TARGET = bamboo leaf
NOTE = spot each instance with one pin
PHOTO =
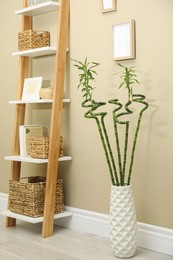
(121, 85)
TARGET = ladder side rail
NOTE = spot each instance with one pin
(56, 118)
(19, 111)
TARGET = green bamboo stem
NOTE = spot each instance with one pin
(126, 138)
(119, 106)
(116, 120)
(107, 149)
(102, 115)
(110, 151)
(139, 99)
(125, 150)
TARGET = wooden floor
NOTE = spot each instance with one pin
(24, 242)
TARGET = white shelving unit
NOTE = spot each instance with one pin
(39, 101)
(60, 61)
(10, 214)
(36, 52)
(39, 9)
(18, 158)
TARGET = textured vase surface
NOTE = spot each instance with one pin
(123, 223)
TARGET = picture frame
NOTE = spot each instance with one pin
(123, 40)
(31, 88)
(109, 5)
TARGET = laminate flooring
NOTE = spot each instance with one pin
(24, 242)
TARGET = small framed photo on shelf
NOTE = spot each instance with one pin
(123, 41)
(109, 5)
(31, 88)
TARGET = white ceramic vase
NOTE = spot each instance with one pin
(123, 223)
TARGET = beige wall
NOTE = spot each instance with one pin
(86, 178)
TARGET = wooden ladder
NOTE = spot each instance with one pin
(56, 115)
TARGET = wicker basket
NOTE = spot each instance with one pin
(35, 2)
(32, 39)
(39, 147)
(27, 196)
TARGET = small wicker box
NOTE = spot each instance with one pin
(35, 2)
(32, 39)
(39, 147)
(27, 196)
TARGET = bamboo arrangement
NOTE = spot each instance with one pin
(120, 175)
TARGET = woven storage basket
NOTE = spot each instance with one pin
(27, 196)
(35, 2)
(39, 147)
(32, 39)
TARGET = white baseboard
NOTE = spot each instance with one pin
(86, 221)
(151, 237)
(155, 238)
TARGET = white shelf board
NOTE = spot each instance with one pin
(36, 52)
(19, 158)
(39, 9)
(10, 214)
(39, 101)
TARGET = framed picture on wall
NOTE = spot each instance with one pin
(108, 5)
(31, 88)
(123, 41)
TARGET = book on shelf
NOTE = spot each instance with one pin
(25, 133)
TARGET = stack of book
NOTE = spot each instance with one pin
(25, 133)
